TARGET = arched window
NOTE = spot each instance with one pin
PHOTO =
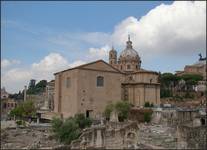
(121, 67)
(100, 81)
(67, 82)
(128, 66)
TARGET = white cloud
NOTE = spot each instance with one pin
(179, 28)
(7, 63)
(15, 78)
(99, 53)
(52, 62)
(176, 29)
(76, 63)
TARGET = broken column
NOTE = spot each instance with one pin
(25, 92)
(114, 117)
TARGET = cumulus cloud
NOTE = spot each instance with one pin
(77, 63)
(15, 78)
(52, 62)
(7, 63)
(99, 53)
(179, 28)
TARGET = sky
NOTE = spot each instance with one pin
(41, 38)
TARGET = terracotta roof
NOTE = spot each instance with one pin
(145, 71)
(79, 67)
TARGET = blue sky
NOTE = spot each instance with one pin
(37, 34)
(59, 17)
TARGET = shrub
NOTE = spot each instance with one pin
(66, 131)
(82, 121)
(151, 105)
(26, 109)
(147, 116)
(109, 108)
(56, 124)
(70, 129)
(20, 122)
(122, 109)
(147, 104)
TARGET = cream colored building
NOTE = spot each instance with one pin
(89, 88)
(196, 68)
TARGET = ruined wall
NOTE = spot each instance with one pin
(191, 137)
(114, 135)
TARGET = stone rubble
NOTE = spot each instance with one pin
(157, 135)
(28, 138)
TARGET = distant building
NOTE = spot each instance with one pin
(6, 106)
(32, 83)
(196, 68)
(49, 103)
(89, 88)
(4, 93)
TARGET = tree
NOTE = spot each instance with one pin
(191, 80)
(17, 112)
(82, 121)
(66, 131)
(109, 108)
(26, 109)
(38, 88)
(146, 104)
(147, 116)
(29, 109)
(122, 109)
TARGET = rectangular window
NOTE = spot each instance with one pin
(100, 81)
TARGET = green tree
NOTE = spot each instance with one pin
(56, 124)
(26, 109)
(109, 108)
(147, 116)
(82, 121)
(146, 104)
(122, 108)
(38, 88)
(29, 109)
(191, 80)
(66, 131)
(17, 112)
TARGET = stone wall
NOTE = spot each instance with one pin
(113, 135)
(191, 137)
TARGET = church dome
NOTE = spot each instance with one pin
(129, 52)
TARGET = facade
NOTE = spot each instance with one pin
(6, 106)
(49, 103)
(196, 68)
(89, 88)
(4, 93)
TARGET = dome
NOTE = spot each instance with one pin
(129, 51)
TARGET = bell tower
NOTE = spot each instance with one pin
(112, 56)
